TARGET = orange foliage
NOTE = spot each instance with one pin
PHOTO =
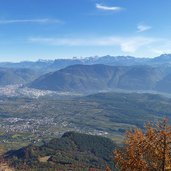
(107, 168)
(146, 151)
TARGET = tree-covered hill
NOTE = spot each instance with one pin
(72, 151)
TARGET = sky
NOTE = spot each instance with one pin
(52, 29)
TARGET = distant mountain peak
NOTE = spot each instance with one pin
(164, 58)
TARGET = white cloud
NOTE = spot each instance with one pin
(143, 27)
(131, 45)
(161, 51)
(108, 8)
(38, 21)
(127, 45)
(163, 47)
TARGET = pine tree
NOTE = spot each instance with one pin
(146, 151)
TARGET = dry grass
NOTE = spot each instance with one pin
(5, 167)
(44, 159)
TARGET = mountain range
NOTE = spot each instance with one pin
(53, 65)
(93, 74)
(96, 78)
(10, 76)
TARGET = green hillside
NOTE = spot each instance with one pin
(73, 151)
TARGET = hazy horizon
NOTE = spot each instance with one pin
(72, 58)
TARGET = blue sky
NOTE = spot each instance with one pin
(50, 29)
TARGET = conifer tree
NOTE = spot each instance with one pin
(146, 151)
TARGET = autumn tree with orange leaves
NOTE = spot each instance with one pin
(107, 168)
(146, 151)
